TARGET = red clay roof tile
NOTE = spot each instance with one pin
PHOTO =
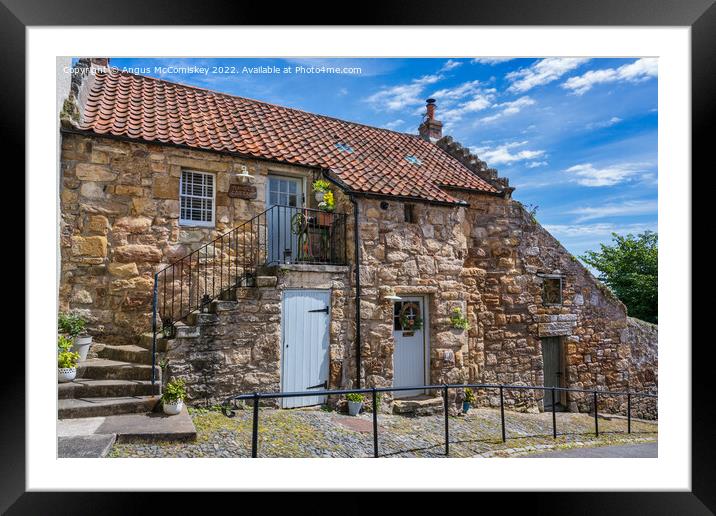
(134, 106)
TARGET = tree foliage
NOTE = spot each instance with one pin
(630, 268)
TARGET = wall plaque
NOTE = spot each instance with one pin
(242, 191)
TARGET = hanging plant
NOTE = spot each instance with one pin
(458, 320)
(410, 319)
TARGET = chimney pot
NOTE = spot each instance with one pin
(431, 129)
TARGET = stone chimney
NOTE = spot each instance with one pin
(431, 129)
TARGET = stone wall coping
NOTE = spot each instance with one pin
(303, 267)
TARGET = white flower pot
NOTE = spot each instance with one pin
(81, 345)
(319, 196)
(66, 374)
(172, 408)
(354, 407)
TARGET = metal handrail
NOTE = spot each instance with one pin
(229, 406)
(280, 234)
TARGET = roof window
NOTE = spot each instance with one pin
(413, 159)
(344, 147)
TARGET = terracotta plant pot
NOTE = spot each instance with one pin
(325, 218)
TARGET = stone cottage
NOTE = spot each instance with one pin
(189, 215)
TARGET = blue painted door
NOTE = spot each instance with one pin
(304, 321)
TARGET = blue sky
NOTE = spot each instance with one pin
(576, 137)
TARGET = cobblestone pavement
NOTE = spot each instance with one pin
(323, 433)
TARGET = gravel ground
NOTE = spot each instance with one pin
(323, 433)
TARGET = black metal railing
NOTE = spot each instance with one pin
(230, 405)
(278, 235)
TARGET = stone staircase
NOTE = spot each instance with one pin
(117, 381)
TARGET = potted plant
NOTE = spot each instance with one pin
(66, 360)
(173, 396)
(325, 216)
(458, 320)
(469, 400)
(355, 403)
(73, 325)
(320, 187)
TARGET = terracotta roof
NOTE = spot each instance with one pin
(134, 106)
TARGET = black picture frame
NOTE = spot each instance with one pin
(700, 15)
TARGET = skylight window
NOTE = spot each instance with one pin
(344, 147)
(413, 159)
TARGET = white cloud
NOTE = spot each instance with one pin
(491, 60)
(604, 123)
(509, 108)
(638, 207)
(587, 175)
(595, 230)
(403, 95)
(458, 92)
(503, 153)
(542, 72)
(638, 71)
(343, 92)
(450, 64)
(535, 164)
(394, 124)
(469, 97)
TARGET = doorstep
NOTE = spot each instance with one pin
(83, 437)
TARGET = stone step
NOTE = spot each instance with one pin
(421, 405)
(126, 353)
(87, 388)
(94, 407)
(198, 318)
(103, 369)
(145, 341)
(185, 331)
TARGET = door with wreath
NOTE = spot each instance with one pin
(410, 357)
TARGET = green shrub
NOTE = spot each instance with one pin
(470, 396)
(64, 343)
(321, 185)
(458, 320)
(67, 359)
(71, 324)
(174, 391)
(355, 397)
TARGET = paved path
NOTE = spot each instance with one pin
(647, 450)
(323, 433)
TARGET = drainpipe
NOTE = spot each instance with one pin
(356, 259)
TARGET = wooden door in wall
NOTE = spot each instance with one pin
(286, 194)
(305, 317)
(410, 364)
(552, 369)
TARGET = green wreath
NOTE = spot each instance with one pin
(408, 324)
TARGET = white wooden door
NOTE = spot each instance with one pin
(409, 358)
(287, 194)
(304, 325)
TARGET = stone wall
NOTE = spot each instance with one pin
(424, 258)
(120, 223)
(642, 338)
(508, 254)
(237, 349)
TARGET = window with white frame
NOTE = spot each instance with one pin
(196, 195)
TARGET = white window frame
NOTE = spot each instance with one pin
(198, 223)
